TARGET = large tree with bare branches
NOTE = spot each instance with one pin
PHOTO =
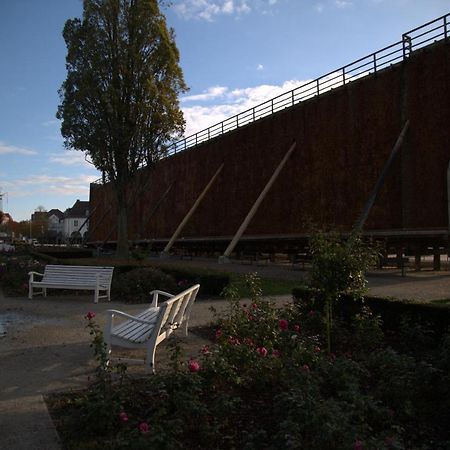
(119, 102)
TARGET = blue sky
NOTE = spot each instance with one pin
(234, 54)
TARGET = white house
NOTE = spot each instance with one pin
(75, 223)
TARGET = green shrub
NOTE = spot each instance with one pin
(14, 271)
(135, 286)
(211, 284)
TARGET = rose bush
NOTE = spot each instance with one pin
(268, 382)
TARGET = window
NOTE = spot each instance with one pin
(75, 223)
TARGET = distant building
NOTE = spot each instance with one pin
(75, 223)
(55, 225)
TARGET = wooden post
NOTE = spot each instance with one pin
(156, 207)
(436, 258)
(242, 228)
(165, 252)
(373, 195)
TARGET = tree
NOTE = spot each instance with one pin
(119, 102)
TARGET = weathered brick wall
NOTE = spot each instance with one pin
(343, 140)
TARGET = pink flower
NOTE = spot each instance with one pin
(297, 328)
(283, 324)
(205, 350)
(262, 351)
(144, 427)
(357, 445)
(123, 417)
(218, 334)
(316, 349)
(90, 315)
(276, 353)
(193, 366)
(249, 342)
(305, 368)
(234, 341)
(254, 305)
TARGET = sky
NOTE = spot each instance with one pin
(234, 54)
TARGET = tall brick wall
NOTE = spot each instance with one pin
(343, 137)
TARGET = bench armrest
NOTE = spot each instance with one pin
(115, 312)
(32, 274)
(155, 295)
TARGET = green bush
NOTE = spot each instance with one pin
(211, 284)
(135, 285)
(393, 313)
(14, 271)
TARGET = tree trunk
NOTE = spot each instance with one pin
(122, 250)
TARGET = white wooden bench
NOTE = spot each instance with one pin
(151, 326)
(92, 278)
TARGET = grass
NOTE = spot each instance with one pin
(270, 286)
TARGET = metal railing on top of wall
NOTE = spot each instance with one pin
(421, 36)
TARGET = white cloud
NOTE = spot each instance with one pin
(209, 94)
(319, 8)
(199, 117)
(208, 10)
(45, 184)
(69, 158)
(342, 3)
(259, 67)
(11, 149)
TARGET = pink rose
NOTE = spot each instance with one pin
(297, 328)
(305, 368)
(90, 315)
(283, 324)
(276, 353)
(144, 427)
(205, 350)
(193, 366)
(123, 417)
(249, 342)
(262, 351)
(218, 334)
(357, 445)
(254, 305)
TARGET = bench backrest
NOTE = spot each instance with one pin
(78, 274)
(177, 308)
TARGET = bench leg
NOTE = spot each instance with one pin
(44, 291)
(96, 296)
(30, 291)
(150, 360)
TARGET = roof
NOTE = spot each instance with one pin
(55, 212)
(79, 209)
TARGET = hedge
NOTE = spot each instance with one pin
(391, 310)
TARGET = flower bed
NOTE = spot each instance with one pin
(268, 382)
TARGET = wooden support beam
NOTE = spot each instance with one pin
(373, 195)
(252, 212)
(165, 252)
(157, 206)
